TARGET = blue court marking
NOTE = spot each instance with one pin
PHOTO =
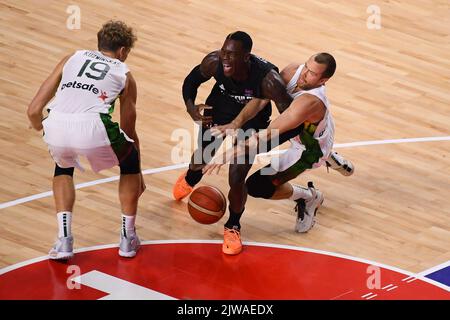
(442, 276)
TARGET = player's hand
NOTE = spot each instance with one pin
(197, 116)
(211, 167)
(229, 129)
(219, 160)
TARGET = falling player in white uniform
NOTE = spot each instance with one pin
(309, 115)
(85, 86)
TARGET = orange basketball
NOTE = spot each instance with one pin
(207, 204)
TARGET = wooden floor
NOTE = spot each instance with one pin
(390, 83)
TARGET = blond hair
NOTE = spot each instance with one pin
(114, 35)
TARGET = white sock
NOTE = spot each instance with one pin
(300, 193)
(128, 225)
(64, 223)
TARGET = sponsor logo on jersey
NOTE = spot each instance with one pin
(103, 96)
(242, 99)
(85, 87)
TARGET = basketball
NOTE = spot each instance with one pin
(207, 204)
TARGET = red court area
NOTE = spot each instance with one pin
(202, 271)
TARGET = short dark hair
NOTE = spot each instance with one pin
(114, 35)
(328, 59)
(243, 37)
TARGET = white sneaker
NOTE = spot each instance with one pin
(340, 164)
(307, 209)
(129, 246)
(63, 249)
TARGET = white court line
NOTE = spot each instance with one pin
(405, 279)
(435, 268)
(118, 289)
(366, 295)
(88, 184)
(374, 142)
(388, 286)
(261, 244)
(395, 287)
(372, 296)
(420, 275)
(184, 165)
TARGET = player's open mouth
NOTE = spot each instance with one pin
(226, 67)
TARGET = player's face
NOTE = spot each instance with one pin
(232, 57)
(311, 75)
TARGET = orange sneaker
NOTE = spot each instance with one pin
(231, 241)
(181, 188)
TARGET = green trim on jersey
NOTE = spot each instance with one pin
(111, 108)
(119, 143)
(310, 156)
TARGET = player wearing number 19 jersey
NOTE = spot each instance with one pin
(85, 86)
(80, 115)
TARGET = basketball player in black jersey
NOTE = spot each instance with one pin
(242, 79)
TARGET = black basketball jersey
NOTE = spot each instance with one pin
(229, 97)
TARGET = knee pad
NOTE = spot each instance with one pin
(63, 171)
(131, 163)
(259, 186)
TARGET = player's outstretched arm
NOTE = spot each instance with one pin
(250, 110)
(304, 108)
(273, 88)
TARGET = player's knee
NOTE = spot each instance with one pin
(63, 171)
(236, 177)
(131, 163)
(260, 186)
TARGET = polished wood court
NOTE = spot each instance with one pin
(390, 83)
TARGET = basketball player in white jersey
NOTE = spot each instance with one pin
(85, 86)
(309, 115)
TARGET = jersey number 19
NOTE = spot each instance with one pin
(98, 69)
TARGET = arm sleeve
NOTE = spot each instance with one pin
(191, 84)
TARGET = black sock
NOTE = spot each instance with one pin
(193, 177)
(233, 220)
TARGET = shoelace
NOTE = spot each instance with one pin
(232, 235)
(300, 208)
(186, 187)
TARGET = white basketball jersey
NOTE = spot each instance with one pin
(325, 129)
(90, 82)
